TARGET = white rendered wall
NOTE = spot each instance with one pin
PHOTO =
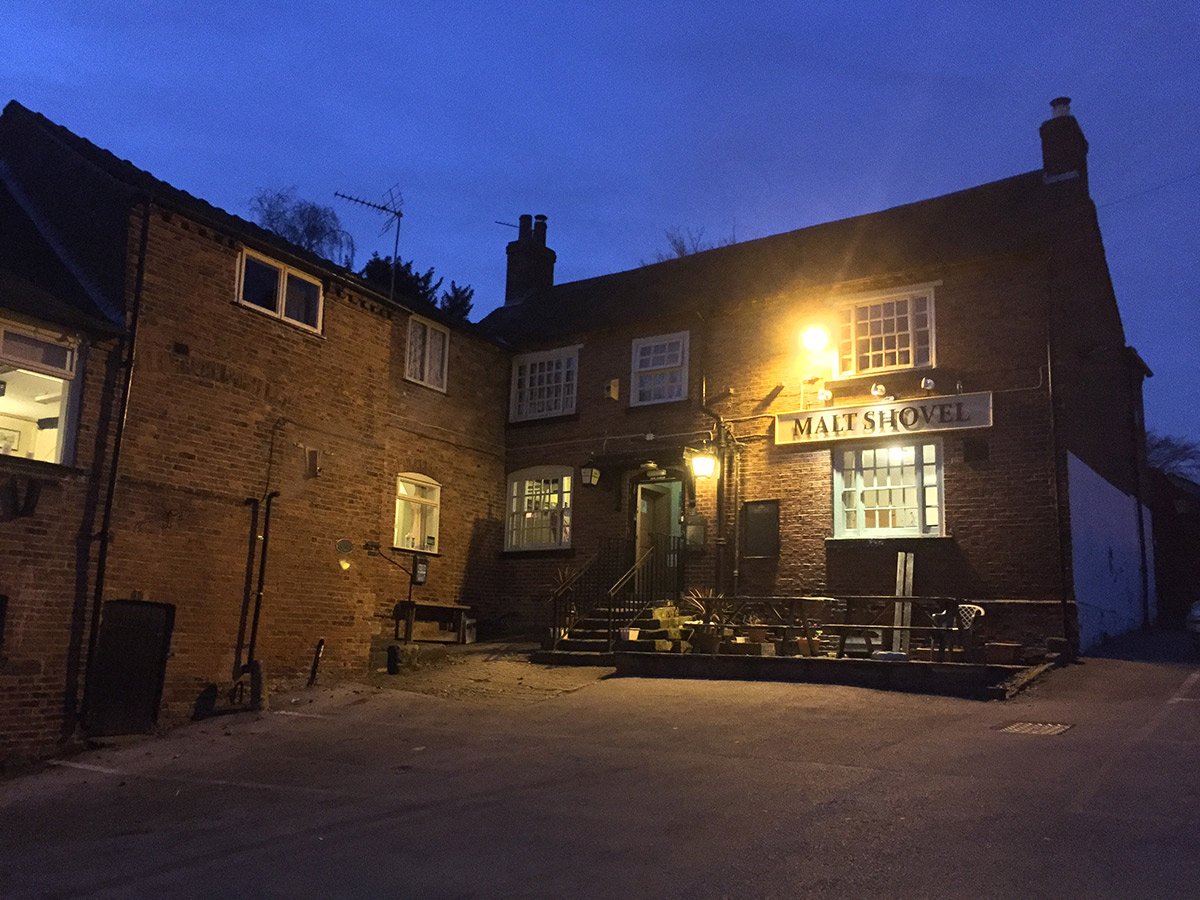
(1106, 556)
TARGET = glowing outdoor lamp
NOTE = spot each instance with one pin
(703, 464)
(815, 339)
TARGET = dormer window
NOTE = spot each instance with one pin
(279, 291)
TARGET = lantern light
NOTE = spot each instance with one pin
(815, 338)
(589, 475)
(703, 464)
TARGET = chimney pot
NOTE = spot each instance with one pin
(525, 224)
(1060, 106)
(1064, 148)
(539, 230)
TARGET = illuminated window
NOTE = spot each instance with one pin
(543, 384)
(279, 290)
(37, 383)
(885, 491)
(428, 353)
(660, 369)
(539, 509)
(894, 332)
(418, 502)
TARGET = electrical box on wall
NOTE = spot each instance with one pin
(612, 389)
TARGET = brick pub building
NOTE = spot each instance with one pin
(948, 378)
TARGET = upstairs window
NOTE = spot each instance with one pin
(539, 509)
(37, 384)
(888, 491)
(418, 503)
(428, 353)
(544, 384)
(280, 291)
(660, 369)
(894, 332)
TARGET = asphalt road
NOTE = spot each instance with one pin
(521, 782)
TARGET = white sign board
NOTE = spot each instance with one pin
(885, 419)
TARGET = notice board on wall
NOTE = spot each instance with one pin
(760, 529)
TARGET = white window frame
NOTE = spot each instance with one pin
(517, 500)
(68, 403)
(847, 350)
(928, 496)
(285, 272)
(435, 504)
(423, 375)
(562, 386)
(638, 369)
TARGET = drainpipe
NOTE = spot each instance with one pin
(722, 461)
(1065, 593)
(130, 352)
(1135, 432)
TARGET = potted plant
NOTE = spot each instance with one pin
(710, 613)
(756, 630)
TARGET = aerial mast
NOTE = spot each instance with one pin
(391, 208)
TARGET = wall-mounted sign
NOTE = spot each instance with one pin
(887, 419)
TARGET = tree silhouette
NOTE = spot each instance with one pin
(1174, 455)
(409, 282)
(307, 224)
(457, 301)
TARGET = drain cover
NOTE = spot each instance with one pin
(1037, 728)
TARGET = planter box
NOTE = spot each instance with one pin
(630, 634)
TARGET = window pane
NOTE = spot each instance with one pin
(32, 410)
(415, 368)
(303, 302)
(436, 372)
(260, 284)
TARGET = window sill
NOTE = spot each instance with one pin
(425, 384)
(651, 404)
(19, 464)
(879, 539)
(545, 420)
(875, 374)
(539, 553)
(291, 323)
(417, 550)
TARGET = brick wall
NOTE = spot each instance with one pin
(1000, 505)
(45, 563)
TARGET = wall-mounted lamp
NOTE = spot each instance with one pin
(589, 474)
(927, 384)
(703, 463)
(825, 395)
(344, 548)
(815, 338)
(878, 390)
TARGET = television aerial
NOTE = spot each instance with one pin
(390, 207)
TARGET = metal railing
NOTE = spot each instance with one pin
(611, 588)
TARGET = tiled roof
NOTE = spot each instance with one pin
(996, 218)
(84, 193)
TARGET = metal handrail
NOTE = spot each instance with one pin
(633, 570)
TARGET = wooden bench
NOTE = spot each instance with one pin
(433, 620)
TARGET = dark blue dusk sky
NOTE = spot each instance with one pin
(620, 120)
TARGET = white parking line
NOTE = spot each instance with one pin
(1185, 689)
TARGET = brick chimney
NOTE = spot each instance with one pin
(1064, 148)
(530, 261)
